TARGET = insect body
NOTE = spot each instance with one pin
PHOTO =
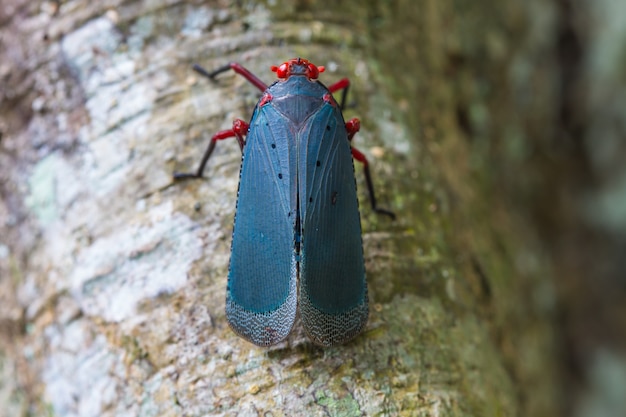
(297, 234)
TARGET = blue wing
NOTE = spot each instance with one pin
(333, 291)
(261, 293)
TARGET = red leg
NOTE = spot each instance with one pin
(353, 126)
(239, 130)
(343, 84)
(238, 68)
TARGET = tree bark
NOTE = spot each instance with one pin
(113, 277)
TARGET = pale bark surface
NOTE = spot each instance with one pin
(113, 277)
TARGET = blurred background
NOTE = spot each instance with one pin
(539, 96)
(515, 112)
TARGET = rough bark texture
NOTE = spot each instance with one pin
(112, 278)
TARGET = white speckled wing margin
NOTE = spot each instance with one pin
(332, 329)
(263, 329)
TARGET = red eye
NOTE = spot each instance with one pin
(282, 71)
(312, 72)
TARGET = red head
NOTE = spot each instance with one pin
(297, 66)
